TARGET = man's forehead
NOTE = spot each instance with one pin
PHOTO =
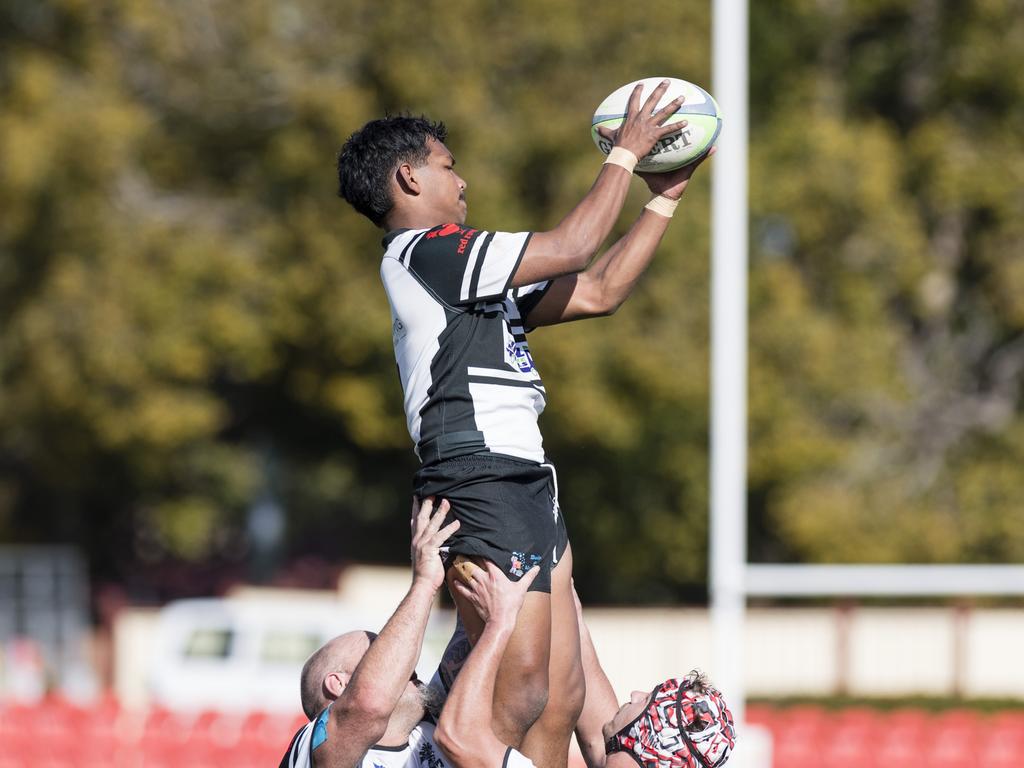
(438, 148)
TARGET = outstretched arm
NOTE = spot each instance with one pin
(602, 288)
(364, 702)
(464, 732)
(569, 247)
(600, 704)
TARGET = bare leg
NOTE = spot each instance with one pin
(521, 687)
(547, 742)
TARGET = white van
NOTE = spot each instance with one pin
(247, 654)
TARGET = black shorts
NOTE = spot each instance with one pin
(508, 510)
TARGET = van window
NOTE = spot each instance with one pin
(209, 643)
(289, 647)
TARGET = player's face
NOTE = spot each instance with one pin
(444, 188)
(627, 713)
(416, 700)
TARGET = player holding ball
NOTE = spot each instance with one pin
(462, 300)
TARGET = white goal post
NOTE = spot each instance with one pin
(727, 552)
(731, 578)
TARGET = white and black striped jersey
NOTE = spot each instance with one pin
(468, 377)
(419, 752)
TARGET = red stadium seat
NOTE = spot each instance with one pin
(16, 719)
(265, 733)
(1003, 741)
(16, 749)
(57, 733)
(956, 740)
(797, 736)
(903, 737)
(850, 738)
(859, 717)
(761, 714)
(168, 726)
(248, 754)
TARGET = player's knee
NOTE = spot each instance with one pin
(531, 695)
(566, 704)
(576, 696)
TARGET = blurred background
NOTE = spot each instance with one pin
(198, 397)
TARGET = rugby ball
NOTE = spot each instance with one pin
(699, 110)
(465, 569)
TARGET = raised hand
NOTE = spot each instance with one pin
(673, 183)
(642, 127)
(427, 538)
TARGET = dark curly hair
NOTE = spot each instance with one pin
(371, 154)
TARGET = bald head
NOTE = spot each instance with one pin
(340, 655)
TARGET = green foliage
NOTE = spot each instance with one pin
(886, 357)
(190, 318)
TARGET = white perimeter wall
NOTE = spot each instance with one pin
(788, 651)
(824, 651)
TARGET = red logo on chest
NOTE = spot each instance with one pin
(454, 229)
(447, 229)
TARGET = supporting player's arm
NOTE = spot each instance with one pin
(465, 732)
(359, 715)
(601, 289)
(569, 247)
(600, 704)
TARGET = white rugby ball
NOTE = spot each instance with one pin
(692, 141)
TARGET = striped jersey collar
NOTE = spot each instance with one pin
(390, 236)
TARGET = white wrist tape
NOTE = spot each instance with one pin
(663, 206)
(622, 157)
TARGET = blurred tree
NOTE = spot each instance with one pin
(887, 358)
(181, 292)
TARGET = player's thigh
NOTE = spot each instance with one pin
(547, 742)
(521, 688)
(529, 646)
(566, 667)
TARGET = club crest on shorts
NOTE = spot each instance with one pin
(522, 562)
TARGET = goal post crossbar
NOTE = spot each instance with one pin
(954, 580)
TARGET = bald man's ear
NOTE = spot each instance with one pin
(334, 685)
(405, 177)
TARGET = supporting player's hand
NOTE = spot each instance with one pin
(497, 598)
(643, 127)
(427, 538)
(673, 183)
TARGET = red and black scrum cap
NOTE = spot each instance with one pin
(686, 725)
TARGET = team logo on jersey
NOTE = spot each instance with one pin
(517, 354)
(447, 229)
(521, 563)
(398, 330)
(465, 235)
(428, 758)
